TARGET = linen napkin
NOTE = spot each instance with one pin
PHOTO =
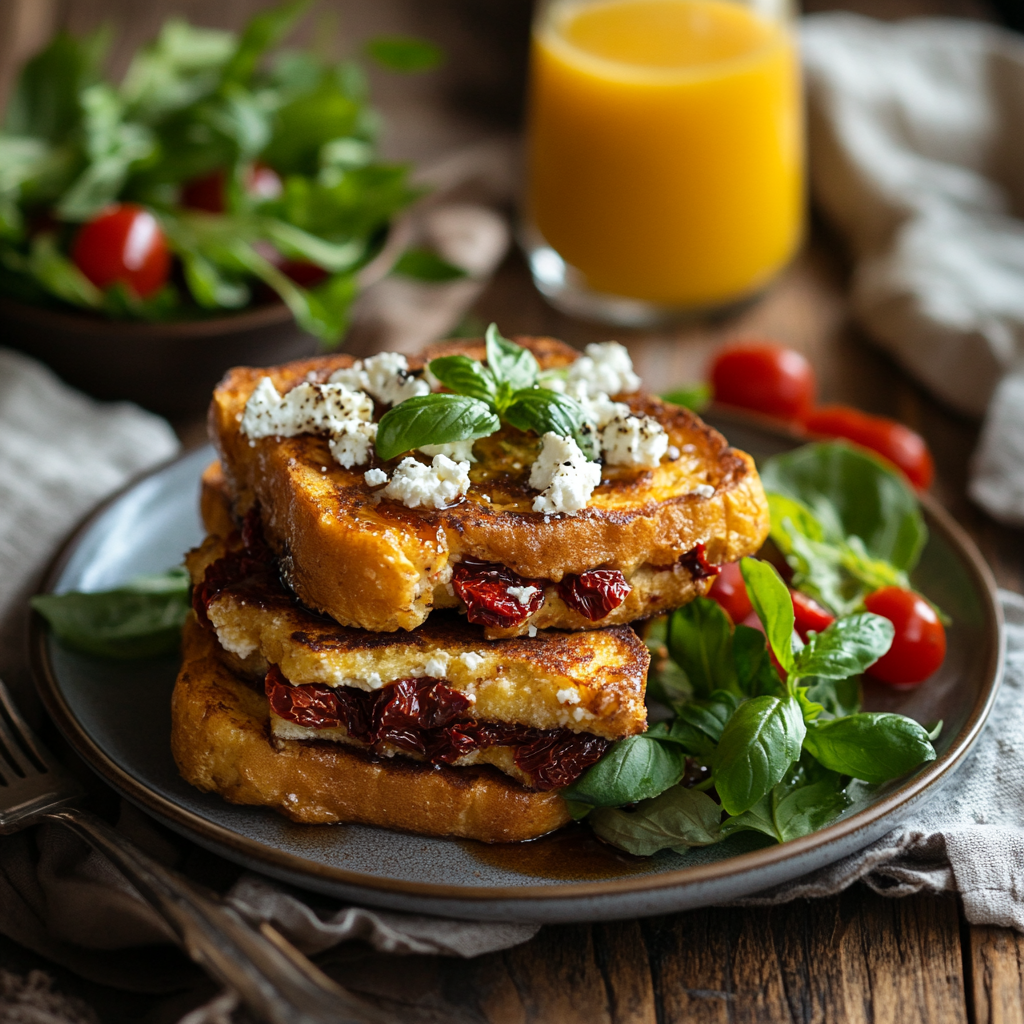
(915, 156)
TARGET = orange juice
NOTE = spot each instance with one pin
(665, 144)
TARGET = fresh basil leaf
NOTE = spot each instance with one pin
(464, 376)
(680, 817)
(755, 673)
(852, 493)
(577, 810)
(694, 397)
(846, 648)
(425, 265)
(871, 746)
(433, 419)
(774, 606)
(808, 798)
(511, 364)
(139, 620)
(668, 683)
(789, 515)
(757, 818)
(541, 410)
(810, 709)
(759, 743)
(633, 769)
(838, 697)
(710, 716)
(684, 735)
(209, 287)
(405, 54)
(700, 643)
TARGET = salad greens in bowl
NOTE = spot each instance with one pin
(227, 183)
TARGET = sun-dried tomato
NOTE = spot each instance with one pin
(594, 593)
(558, 757)
(311, 705)
(485, 588)
(696, 563)
(422, 715)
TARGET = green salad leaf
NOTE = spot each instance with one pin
(141, 619)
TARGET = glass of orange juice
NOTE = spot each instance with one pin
(665, 167)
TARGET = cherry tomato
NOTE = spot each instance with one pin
(919, 646)
(302, 272)
(809, 615)
(124, 244)
(207, 191)
(730, 592)
(766, 378)
(902, 446)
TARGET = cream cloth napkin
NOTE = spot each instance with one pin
(916, 157)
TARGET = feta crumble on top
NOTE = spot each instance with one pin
(604, 368)
(459, 451)
(438, 485)
(523, 594)
(563, 475)
(385, 376)
(306, 409)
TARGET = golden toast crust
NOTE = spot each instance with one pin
(220, 742)
(382, 566)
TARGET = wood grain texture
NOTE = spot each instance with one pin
(996, 964)
(854, 959)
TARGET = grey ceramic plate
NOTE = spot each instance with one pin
(117, 717)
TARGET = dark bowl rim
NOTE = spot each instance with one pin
(254, 852)
(84, 324)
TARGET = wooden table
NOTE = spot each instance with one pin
(855, 957)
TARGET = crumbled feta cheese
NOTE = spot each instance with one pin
(672, 452)
(437, 665)
(460, 451)
(375, 477)
(439, 484)
(634, 441)
(385, 376)
(597, 406)
(523, 594)
(531, 630)
(351, 443)
(704, 491)
(563, 475)
(471, 660)
(605, 367)
(306, 409)
(567, 696)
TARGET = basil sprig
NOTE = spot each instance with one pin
(141, 619)
(782, 746)
(478, 399)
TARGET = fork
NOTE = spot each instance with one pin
(273, 979)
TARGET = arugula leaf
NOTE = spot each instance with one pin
(511, 364)
(48, 265)
(633, 769)
(678, 819)
(142, 619)
(759, 743)
(700, 643)
(261, 33)
(846, 648)
(871, 746)
(694, 396)
(755, 674)
(425, 265)
(404, 54)
(465, 376)
(852, 493)
(541, 410)
(433, 419)
(774, 607)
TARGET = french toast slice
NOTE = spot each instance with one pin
(381, 566)
(220, 739)
(586, 682)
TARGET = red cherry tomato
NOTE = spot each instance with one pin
(302, 272)
(766, 378)
(902, 446)
(919, 646)
(124, 244)
(207, 191)
(730, 592)
(809, 615)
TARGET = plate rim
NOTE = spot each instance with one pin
(933, 775)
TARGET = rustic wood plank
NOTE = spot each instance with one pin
(996, 965)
